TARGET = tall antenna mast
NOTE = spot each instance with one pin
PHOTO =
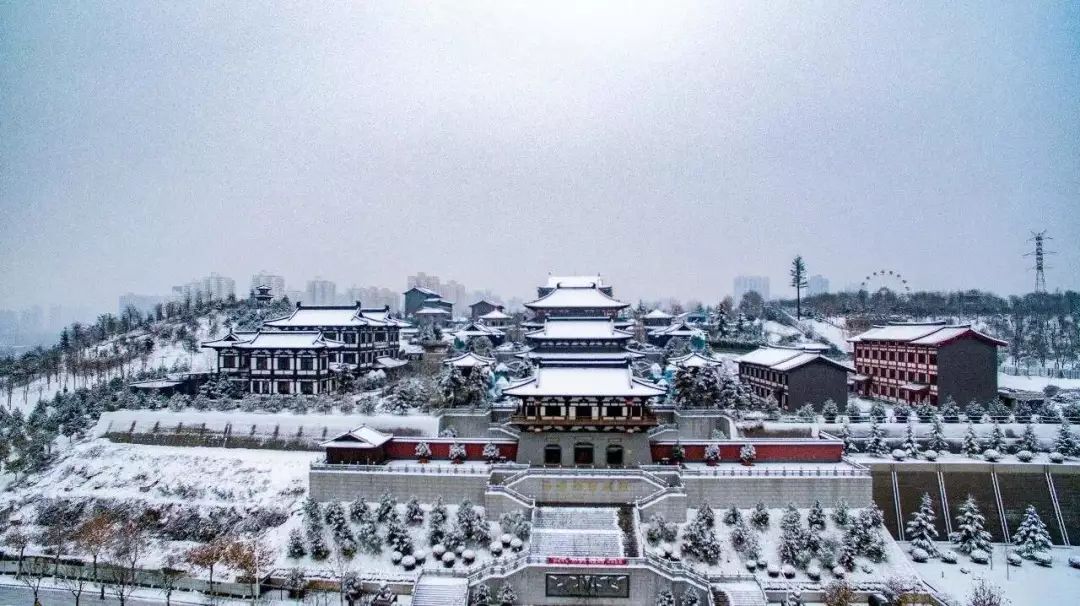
(1040, 252)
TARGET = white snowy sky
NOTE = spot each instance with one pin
(669, 146)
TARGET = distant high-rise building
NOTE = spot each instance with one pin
(320, 292)
(817, 285)
(213, 287)
(275, 282)
(31, 320)
(373, 296)
(744, 284)
(455, 292)
(422, 280)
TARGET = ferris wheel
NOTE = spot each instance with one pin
(886, 279)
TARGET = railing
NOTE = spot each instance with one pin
(633, 472)
(451, 470)
(510, 492)
(783, 472)
(1053, 373)
(656, 496)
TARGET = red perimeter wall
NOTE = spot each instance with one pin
(795, 452)
(405, 448)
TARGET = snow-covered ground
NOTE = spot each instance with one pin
(283, 423)
(1024, 585)
(830, 331)
(1035, 383)
(731, 562)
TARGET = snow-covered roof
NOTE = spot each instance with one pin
(280, 339)
(695, 360)
(585, 381)
(388, 362)
(585, 356)
(587, 297)
(469, 360)
(495, 315)
(785, 359)
(678, 329)
(658, 314)
(590, 328)
(426, 291)
(478, 329)
(431, 311)
(331, 315)
(575, 281)
(362, 437)
(935, 333)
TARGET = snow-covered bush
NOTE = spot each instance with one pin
(396, 557)
(515, 523)
(468, 556)
(457, 452)
(930, 455)
(1043, 558)
(408, 562)
(495, 548)
(899, 455)
(660, 530)
(773, 570)
(516, 544)
(732, 515)
(813, 572)
(448, 559)
(420, 556)
(506, 538)
(1024, 456)
(1057, 457)
(712, 453)
(1074, 561)
(979, 556)
(423, 451)
(789, 571)
(491, 452)
(839, 572)
(759, 517)
(438, 551)
(1014, 558)
(991, 455)
(919, 555)
(747, 454)
(949, 556)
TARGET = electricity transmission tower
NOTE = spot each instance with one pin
(1040, 252)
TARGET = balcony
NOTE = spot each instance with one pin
(565, 423)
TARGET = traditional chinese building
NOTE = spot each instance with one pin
(482, 307)
(794, 376)
(417, 298)
(496, 319)
(926, 362)
(583, 339)
(368, 333)
(278, 362)
(477, 329)
(656, 318)
(680, 329)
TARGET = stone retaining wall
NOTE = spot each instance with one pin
(333, 485)
(778, 491)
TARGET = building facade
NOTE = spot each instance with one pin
(794, 377)
(321, 292)
(368, 334)
(744, 284)
(926, 362)
(278, 362)
(418, 298)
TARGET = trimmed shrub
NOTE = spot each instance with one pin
(1024, 456)
(1057, 457)
(980, 557)
(1014, 558)
(949, 557)
(899, 455)
(919, 555)
(1043, 558)
(991, 455)
(930, 455)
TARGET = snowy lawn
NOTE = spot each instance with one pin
(285, 424)
(731, 562)
(1026, 585)
(1035, 383)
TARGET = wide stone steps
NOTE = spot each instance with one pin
(440, 591)
(576, 532)
(739, 594)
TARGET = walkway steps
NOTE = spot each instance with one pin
(433, 590)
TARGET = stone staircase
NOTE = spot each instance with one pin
(742, 593)
(576, 532)
(431, 590)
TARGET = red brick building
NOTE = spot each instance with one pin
(928, 362)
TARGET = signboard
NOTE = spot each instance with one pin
(587, 585)
(572, 561)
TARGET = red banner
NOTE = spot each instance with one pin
(571, 561)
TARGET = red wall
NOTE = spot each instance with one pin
(810, 452)
(405, 448)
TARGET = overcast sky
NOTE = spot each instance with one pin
(669, 147)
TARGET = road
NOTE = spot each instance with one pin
(11, 595)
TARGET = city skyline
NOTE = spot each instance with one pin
(642, 144)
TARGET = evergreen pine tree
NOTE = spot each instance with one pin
(876, 445)
(920, 529)
(705, 514)
(1029, 441)
(367, 537)
(732, 515)
(387, 505)
(937, 441)
(414, 514)
(996, 440)
(1065, 442)
(850, 446)
(759, 517)
(665, 598)
(296, 544)
(397, 537)
(910, 445)
(970, 531)
(480, 596)
(816, 518)
(971, 446)
(359, 511)
(841, 514)
(1032, 536)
